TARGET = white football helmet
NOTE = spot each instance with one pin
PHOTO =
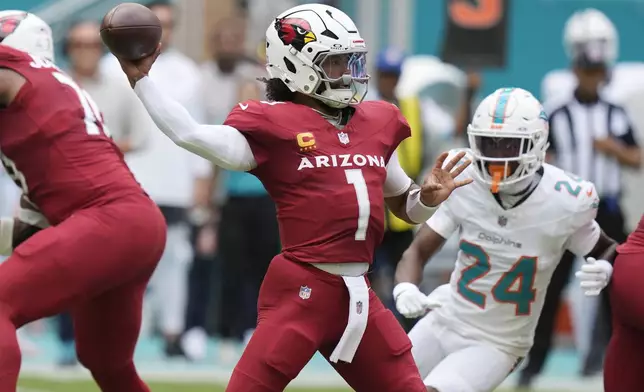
(316, 50)
(508, 137)
(25, 31)
(590, 27)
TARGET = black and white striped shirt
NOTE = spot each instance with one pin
(573, 128)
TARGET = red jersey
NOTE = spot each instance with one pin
(635, 241)
(327, 183)
(53, 142)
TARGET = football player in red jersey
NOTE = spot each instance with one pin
(102, 236)
(624, 357)
(328, 161)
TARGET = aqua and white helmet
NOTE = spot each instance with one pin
(316, 49)
(508, 137)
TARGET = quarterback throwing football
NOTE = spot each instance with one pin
(329, 163)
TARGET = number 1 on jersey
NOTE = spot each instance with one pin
(355, 177)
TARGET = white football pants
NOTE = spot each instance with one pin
(449, 362)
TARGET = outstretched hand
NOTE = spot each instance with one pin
(138, 69)
(440, 182)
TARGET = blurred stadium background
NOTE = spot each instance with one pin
(527, 47)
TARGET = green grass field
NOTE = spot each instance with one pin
(44, 385)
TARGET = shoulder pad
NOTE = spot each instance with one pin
(580, 195)
(588, 197)
(246, 115)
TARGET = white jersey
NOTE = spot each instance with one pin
(507, 257)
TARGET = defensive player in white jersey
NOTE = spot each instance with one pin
(515, 222)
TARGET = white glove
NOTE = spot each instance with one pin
(594, 276)
(410, 301)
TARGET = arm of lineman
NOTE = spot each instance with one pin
(223, 145)
(10, 83)
(431, 237)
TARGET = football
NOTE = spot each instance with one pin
(131, 31)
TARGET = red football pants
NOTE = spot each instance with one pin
(291, 329)
(95, 264)
(624, 365)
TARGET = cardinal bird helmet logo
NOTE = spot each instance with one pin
(8, 24)
(294, 31)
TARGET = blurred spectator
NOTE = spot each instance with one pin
(173, 178)
(624, 79)
(431, 124)
(248, 232)
(592, 137)
(399, 234)
(260, 14)
(229, 67)
(202, 276)
(121, 110)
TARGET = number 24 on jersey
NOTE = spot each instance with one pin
(514, 287)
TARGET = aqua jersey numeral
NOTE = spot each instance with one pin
(515, 287)
(474, 272)
(565, 184)
(573, 191)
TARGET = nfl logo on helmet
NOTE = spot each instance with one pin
(359, 307)
(305, 292)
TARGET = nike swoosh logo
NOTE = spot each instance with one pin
(243, 106)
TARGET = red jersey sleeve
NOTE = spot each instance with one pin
(249, 119)
(635, 241)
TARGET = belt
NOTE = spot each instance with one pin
(343, 269)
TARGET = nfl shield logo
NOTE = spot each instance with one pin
(344, 138)
(359, 307)
(305, 292)
(503, 221)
